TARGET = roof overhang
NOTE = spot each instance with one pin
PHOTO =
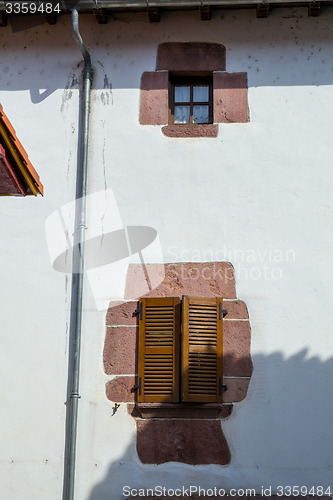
(10, 184)
(103, 8)
(17, 175)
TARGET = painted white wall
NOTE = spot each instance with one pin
(259, 195)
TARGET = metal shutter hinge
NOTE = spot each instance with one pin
(222, 312)
(222, 388)
(139, 311)
(138, 386)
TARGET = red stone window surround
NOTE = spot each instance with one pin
(193, 59)
(179, 432)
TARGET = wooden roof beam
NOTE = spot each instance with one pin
(206, 13)
(3, 18)
(262, 10)
(101, 16)
(154, 14)
(314, 9)
(52, 19)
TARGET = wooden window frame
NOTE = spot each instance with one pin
(190, 81)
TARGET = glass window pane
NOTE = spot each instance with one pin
(200, 114)
(201, 93)
(182, 114)
(182, 93)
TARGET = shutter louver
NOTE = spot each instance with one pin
(159, 350)
(202, 349)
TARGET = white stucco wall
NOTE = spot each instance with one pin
(259, 196)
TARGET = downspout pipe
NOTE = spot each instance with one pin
(78, 260)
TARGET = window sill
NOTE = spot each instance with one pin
(183, 410)
(180, 130)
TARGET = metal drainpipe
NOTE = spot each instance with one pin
(78, 258)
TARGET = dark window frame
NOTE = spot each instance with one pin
(190, 81)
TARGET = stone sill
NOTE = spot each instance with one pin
(183, 410)
(180, 130)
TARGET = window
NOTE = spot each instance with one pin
(191, 100)
(190, 92)
(180, 350)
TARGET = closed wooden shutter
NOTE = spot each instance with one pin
(202, 346)
(159, 339)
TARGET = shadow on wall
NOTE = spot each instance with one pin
(280, 434)
(308, 40)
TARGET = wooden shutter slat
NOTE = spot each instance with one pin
(202, 345)
(159, 343)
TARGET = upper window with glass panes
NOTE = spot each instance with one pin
(191, 100)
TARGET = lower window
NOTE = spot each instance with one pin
(180, 350)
